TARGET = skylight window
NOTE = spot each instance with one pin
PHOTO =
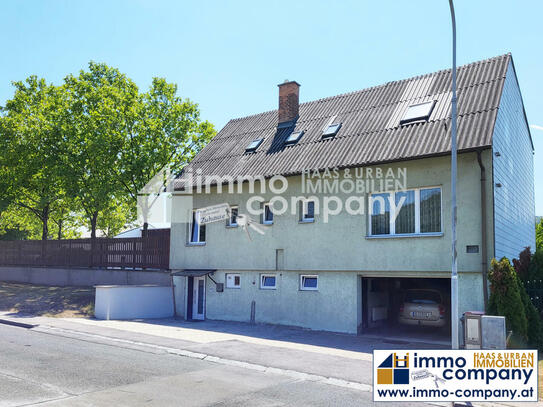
(294, 137)
(418, 112)
(253, 145)
(331, 130)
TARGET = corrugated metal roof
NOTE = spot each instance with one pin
(370, 131)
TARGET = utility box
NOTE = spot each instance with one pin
(484, 331)
(472, 330)
(494, 334)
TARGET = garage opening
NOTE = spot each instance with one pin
(406, 308)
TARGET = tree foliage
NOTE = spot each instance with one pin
(505, 298)
(539, 235)
(32, 126)
(84, 149)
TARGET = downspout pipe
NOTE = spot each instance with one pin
(484, 250)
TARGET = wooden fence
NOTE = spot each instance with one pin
(149, 252)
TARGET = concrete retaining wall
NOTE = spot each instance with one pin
(57, 276)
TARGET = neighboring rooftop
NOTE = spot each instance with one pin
(371, 131)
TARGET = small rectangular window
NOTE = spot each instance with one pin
(472, 249)
(233, 280)
(294, 137)
(331, 130)
(308, 211)
(253, 145)
(309, 282)
(197, 231)
(268, 282)
(232, 221)
(267, 215)
(418, 112)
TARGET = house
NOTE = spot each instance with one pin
(322, 268)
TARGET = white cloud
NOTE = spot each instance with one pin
(536, 127)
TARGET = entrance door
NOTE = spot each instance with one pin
(198, 297)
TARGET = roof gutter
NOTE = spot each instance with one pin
(484, 250)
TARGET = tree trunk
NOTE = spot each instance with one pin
(45, 221)
(94, 257)
(93, 225)
(60, 229)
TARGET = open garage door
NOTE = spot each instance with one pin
(406, 309)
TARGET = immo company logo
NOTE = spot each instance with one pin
(394, 370)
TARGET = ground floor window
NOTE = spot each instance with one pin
(197, 231)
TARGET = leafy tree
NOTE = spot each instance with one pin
(522, 264)
(32, 127)
(533, 318)
(99, 103)
(505, 298)
(165, 134)
(539, 235)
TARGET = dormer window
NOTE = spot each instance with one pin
(331, 130)
(418, 112)
(294, 137)
(253, 145)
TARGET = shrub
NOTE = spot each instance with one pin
(536, 266)
(522, 264)
(505, 298)
(533, 319)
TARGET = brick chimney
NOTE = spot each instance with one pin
(289, 92)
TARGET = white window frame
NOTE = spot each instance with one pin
(229, 223)
(191, 225)
(234, 275)
(262, 287)
(293, 140)
(392, 220)
(303, 277)
(264, 221)
(304, 210)
(424, 116)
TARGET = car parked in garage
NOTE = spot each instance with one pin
(423, 307)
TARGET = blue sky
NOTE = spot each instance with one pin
(228, 56)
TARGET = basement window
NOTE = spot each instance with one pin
(309, 282)
(294, 137)
(233, 280)
(418, 112)
(268, 282)
(253, 145)
(331, 130)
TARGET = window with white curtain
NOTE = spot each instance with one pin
(409, 212)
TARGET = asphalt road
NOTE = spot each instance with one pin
(50, 370)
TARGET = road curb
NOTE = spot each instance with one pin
(17, 323)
